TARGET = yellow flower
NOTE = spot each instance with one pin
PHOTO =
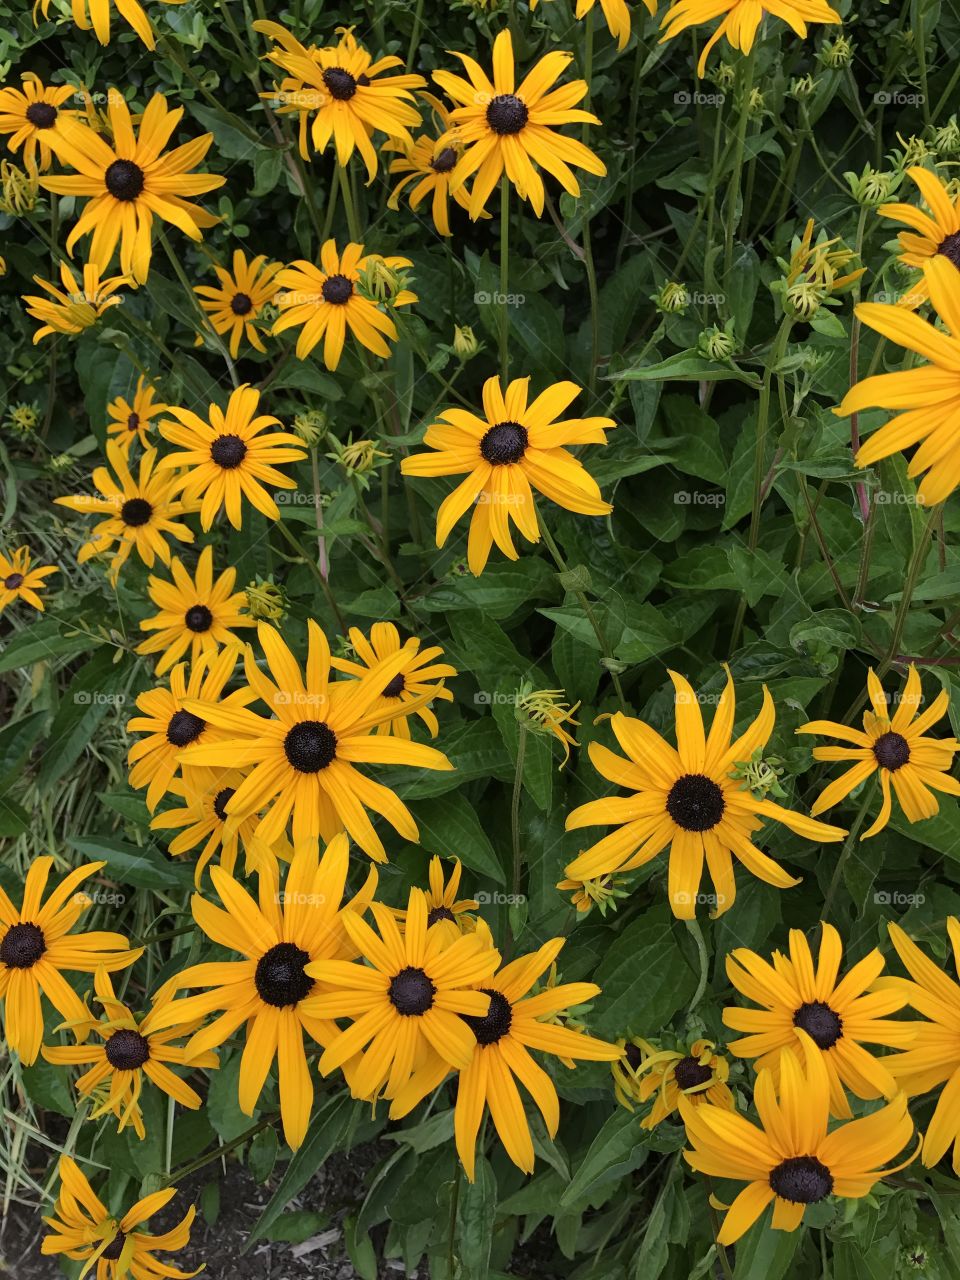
(139, 513)
(95, 14)
(602, 892)
(416, 680)
(616, 14)
(428, 164)
(699, 1073)
(741, 20)
(19, 582)
(325, 301)
(514, 449)
(229, 458)
(688, 799)
(936, 232)
(132, 183)
(443, 906)
(81, 1227)
(346, 90)
(129, 422)
(29, 116)
(505, 129)
(546, 712)
(19, 190)
(195, 613)
(896, 748)
(241, 297)
(78, 306)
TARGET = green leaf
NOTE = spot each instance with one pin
(476, 1214)
(91, 694)
(644, 976)
(43, 641)
(146, 867)
(618, 1149)
(687, 366)
(449, 827)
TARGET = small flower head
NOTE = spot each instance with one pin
(311, 426)
(716, 343)
(603, 892)
(19, 189)
(544, 711)
(671, 297)
(872, 186)
(698, 1072)
(837, 52)
(266, 601)
(465, 343)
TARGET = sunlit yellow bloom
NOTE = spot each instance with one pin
(936, 232)
(243, 293)
(19, 582)
(129, 422)
(616, 14)
(443, 906)
(645, 1072)
(602, 892)
(420, 677)
(95, 15)
(546, 712)
(30, 115)
(428, 164)
(76, 306)
(741, 20)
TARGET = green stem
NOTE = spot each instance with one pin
(517, 876)
(415, 34)
(179, 1174)
(920, 41)
(732, 217)
(454, 1207)
(868, 794)
(504, 278)
(696, 933)
(349, 205)
(913, 573)
(204, 318)
(314, 568)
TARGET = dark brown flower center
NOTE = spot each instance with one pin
(801, 1180)
(310, 746)
(634, 1055)
(949, 246)
(241, 304)
(504, 443)
(13, 580)
(184, 728)
(445, 161)
(280, 978)
(22, 946)
(198, 618)
(818, 1020)
(337, 289)
(695, 802)
(411, 992)
(124, 180)
(689, 1073)
(340, 84)
(136, 512)
(42, 115)
(114, 1249)
(439, 913)
(495, 1023)
(221, 800)
(395, 687)
(507, 114)
(127, 1050)
(228, 452)
(133, 422)
(892, 751)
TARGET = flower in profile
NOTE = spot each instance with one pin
(129, 1051)
(265, 600)
(443, 905)
(358, 458)
(741, 19)
(170, 727)
(243, 293)
(616, 14)
(930, 392)
(304, 757)
(30, 115)
(95, 14)
(839, 1015)
(18, 581)
(514, 449)
(132, 183)
(325, 302)
(196, 613)
(645, 1072)
(428, 164)
(791, 1159)
(281, 935)
(129, 422)
(929, 234)
(82, 1227)
(75, 307)
(894, 747)
(421, 677)
(38, 945)
(544, 711)
(508, 129)
(604, 892)
(345, 92)
(18, 193)
(816, 274)
(413, 996)
(229, 458)
(139, 513)
(688, 799)
(514, 1023)
(932, 1059)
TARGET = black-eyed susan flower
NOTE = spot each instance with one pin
(427, 164)
(325, 302)
(129, 422)
(932, 233)
(139, 514)
(197, 613)
(790, 1159)
(29, 116)
(840, 1015)
(38, 945)
(514, 449)
(132, 182)
(514, 1023)
(230, 457)
(930, 392)
(443, 906)
(171, 728)
(645, 1071)
(78, 305)
(688, 799)
(236, 305)
(127, 1051)
(420, 677)
(896, 748)
(304, 757)
(18, 581)
(82, 1228)
(741, 20)
(508, 129)
(616, 14)
(932, 1059)
(281, 935)
(412, 995)
(603, 892)
(345, 92)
